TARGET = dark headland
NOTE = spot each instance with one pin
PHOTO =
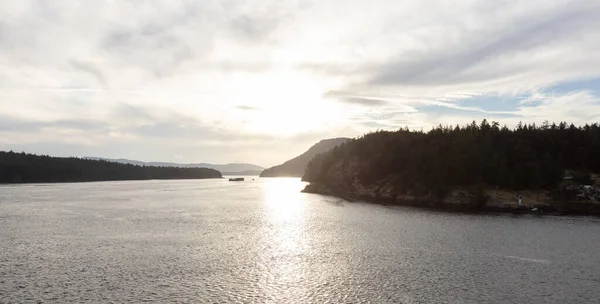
(30, 168)
(478, 167)
(295, 167)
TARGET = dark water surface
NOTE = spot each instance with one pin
(264, 241)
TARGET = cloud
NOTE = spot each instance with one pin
(16, 124)
(576, 107)
(246, 108)
(362, 101)
(253, 29)
(513, 46)
(476, 57)
(221, 80)
(89, 68)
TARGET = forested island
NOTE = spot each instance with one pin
(30, 168)
(477, 166)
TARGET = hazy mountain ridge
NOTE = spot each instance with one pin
(295, 167)
(236, 168)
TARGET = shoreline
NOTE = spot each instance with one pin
(539, 209)
(106, 180)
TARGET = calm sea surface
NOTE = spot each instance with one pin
(261, 241)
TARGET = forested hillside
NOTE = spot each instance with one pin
(446, 158)
(30, 168)
(295, 167)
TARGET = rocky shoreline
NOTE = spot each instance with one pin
(491, 201)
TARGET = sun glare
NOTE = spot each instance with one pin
(285, 214)
(284, 199)
(287, 102)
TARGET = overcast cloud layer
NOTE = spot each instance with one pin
(261, 81)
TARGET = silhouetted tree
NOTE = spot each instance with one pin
(527, 157)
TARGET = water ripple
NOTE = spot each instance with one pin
(265, 242)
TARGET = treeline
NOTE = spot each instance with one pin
(485, 154)
(30, 168)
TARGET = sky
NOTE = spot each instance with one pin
(261, 81)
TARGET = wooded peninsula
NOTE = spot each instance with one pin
(465, 166)
(30, 168)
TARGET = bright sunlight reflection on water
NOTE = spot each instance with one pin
(284, 199)
(263, 241)
(286, 233)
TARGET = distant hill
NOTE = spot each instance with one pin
(228, 169)
(31, 168)
(245, 173)
(296, 167)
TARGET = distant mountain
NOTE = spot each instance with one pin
(245, 173)
(231, 169)
(295, 167)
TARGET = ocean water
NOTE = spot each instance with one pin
(262, 241)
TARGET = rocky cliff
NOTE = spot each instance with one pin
(342, 179)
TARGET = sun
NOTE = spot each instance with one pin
(287, 102)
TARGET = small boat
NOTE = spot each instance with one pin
(236, 179)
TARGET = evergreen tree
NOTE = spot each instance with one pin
(30, 168)
(527, 157)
